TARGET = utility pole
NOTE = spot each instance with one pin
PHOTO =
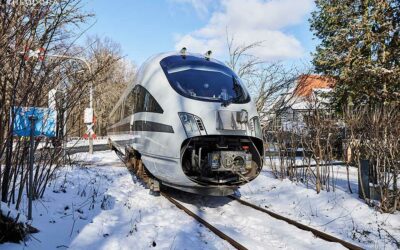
(91, 125)
(32, 119)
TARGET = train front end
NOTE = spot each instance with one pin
(222, 145)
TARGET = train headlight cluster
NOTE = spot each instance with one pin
(192, 124)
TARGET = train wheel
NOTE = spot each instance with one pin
(141, 172)
(135, 164)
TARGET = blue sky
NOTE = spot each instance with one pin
(147, 27)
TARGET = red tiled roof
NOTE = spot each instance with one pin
(306, 84)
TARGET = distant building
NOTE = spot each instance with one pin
(309, 93)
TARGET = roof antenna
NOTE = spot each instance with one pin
(208, 55)
(183, 52)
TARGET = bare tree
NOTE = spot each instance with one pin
(373, 132)
(117, 72)
(266, 81)
(111, 84)
(26, 77)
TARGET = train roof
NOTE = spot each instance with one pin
(156, 59)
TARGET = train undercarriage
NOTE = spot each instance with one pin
(221, 160)
(135, 164)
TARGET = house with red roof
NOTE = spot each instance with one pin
(310, 92)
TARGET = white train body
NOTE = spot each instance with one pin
(194, 129)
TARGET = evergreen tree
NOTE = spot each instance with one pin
(360, 48)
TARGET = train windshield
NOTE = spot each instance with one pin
(200, 79)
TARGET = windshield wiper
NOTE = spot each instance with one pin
(238, 91)
(226, 103)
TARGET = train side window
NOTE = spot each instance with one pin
(122, 109)
(129, 104)
(119, 114)
(145, 102)
(151, 105)
(139, 99)
(114, 118)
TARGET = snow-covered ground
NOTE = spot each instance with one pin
(104, 207)
(339, 213)
(99, 205)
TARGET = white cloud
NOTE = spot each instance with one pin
(200, 6)
(251, 21)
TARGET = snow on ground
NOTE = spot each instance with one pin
(12, 213)
(97, 204)
(104, 207)
(339, 213)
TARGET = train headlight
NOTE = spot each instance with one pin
(192, 124)
(255, 127)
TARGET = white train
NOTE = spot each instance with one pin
(191, 122)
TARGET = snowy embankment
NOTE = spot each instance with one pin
(339, 213)
(99, 205)
(104, 207)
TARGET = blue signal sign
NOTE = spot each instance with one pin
(45, 121)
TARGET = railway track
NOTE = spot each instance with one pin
(137, 168)
(316, 232)
(237, 245)
(213, 229)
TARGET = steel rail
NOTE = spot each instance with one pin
(213, 229)
(316, 232)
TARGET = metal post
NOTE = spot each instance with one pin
(363, 180)
(91, 107)
(32, 119)
(65, 114)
